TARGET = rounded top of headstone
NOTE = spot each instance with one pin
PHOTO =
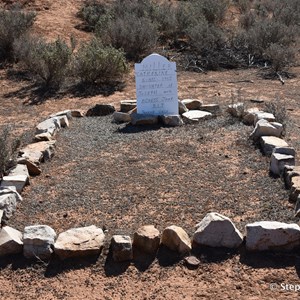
(155, 57)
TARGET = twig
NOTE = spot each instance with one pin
(241, 81)
(280, 78)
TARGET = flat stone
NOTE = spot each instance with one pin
(38, 241)
(271, 235)
(18, 181)
(266, 128)
(288, 173)
(236, 110)
(100, 110)
(278, 161)
(182, 108)
(216, 230)
(147, 239)
(192, 104)
(63, 121)
(50, 125)
(66, 113)
(263, 115)
(295, 188)
(19, 169)
(192, 261)
(10, 241)
(127, 105)
(121, 117)
(46, 136)
(268, 143)
(249, 115)
(211, 107)
(195, 116)
(38, 152)
(78, 242)
(176, 239)
(285, 150)
(121, 247)
(33, 169)
(140, 119)
(172, 120)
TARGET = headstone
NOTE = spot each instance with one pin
(156, 86)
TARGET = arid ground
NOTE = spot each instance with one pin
(122, 177)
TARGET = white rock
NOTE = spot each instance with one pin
(278, 161)
(265, 128)
(172, 120)
(8, 203)
(176, 239)
(295, 188)
(263, 115)
(63, 121)
(196, 115)
(38, 241)
(271, 235)
(140, 119)
(10, 241)
(50, 125)
(18, 181)
(46, 136)
(33, 169)
(237, 109)
(182, 108)
(121, 117)
(121, 247)
(268, 143)
(192, 104)
(216, 230)
(67, 113)
(38, 152)
(19, 169)
(147, 239)
(83, 241)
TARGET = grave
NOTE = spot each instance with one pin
(156, 86)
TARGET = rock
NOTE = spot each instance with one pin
(50, 125)
(77, 242)
(285, 150)
(192, 261)
(212, 108)
(257, 100)
(176, 239)
(18, 181)
(63, 121)
(140, 119)
(19, 169)
(121, 247)
(46, 136)
(121, 117)
(195, 116)
(271, 235)
(265, 128)
(268, 143)
(10, 241)
(100, 110)
(33, 169)
(278, 161)
(38, 152)
(66, 113)
(295, 188)
(297, 208)
(38, 241)
(249, 115)
(172, 120)
(127, 105)
(77, 113)
(236, 110)
(216, 230)
(182, 108)
(8, 202)
(263, 115)
(288, 173)
(147, 239)
(192, 104)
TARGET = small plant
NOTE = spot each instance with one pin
(13, 24)
(8, 151)
(95, 63)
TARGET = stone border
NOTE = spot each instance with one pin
(215, 230)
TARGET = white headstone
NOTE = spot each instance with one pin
(156, 86)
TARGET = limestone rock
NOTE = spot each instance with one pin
(211, 107)
(173, 121)
(271, 235)
(195, 116)
(10, 241)
(216, 230)
(192, 104)
(288, 173)
(19, 169)
(63, 121)
(278, 161)
(77, 242)
(100, 110)
(141, 119)
(50, 125)
(176, 239)
(33, 169)
(249, 115)
(265, 128)
(38, 241)
(121, 247)
(38, 152)
(268, 143)
(8, 202)
(236, 109)
(18, 181)
(285, 150)
(121, 117)
(66, 113)
(295, 188)
(46, 136)
(182, 108)
(263, 115)
(147, 239)
(127, 105)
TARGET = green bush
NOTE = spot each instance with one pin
(95, 63)
(13, 24)
(48, 60)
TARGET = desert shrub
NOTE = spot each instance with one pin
(8, 151)
(95, 63)
(13, 24)
(278, 108)
(48, 60)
